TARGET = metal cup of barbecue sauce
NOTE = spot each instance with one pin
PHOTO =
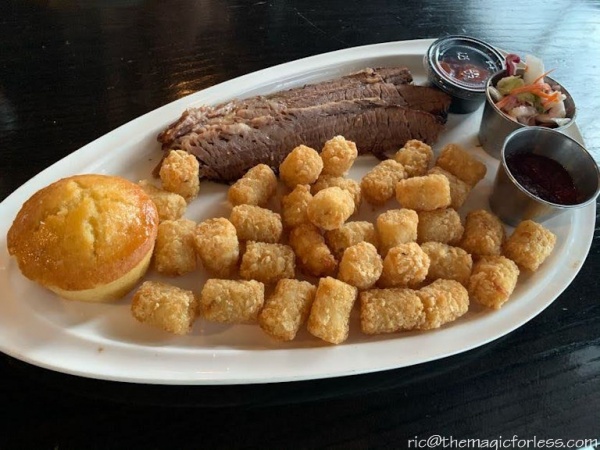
(461, 66)
(542, 173)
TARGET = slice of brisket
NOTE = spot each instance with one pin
(376, 108)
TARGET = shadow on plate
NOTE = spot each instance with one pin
(255, 395)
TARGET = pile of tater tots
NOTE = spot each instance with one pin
(416, 267)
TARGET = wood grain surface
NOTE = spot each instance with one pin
(71, 71)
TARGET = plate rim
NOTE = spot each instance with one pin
(86, 156)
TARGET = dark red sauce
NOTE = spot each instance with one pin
(543, 177)
(465, 71)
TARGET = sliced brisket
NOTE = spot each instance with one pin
(376, 108)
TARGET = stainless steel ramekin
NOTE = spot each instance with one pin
(512, 202)
(496, 126)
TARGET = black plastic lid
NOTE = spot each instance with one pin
(461, 65)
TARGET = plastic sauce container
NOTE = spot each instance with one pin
(461, 66)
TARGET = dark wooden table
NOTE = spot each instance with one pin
(71, 71)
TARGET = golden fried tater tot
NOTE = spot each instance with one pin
(443, 301)
(484, 234)
(338, 155)
(170, 206)
(396, 226)
(405, 265)
(416, 157)
(349, 234)
(174, 253)
(424, 193)
(314, 257)
(164, 306)
(329, 317)
(256, 187)
(389, 310)
(302, 165)
(493, 280)
(529, 245)
(440, 225)
(294, 205)
(267, 263)
(287, 309)
(217, 245)
(447, 262)
(462, 164)
(360, 266)
(459, 190)
(179, 173)
(254, 223)
(379, 184)
(330, 208)
(231, 301)
(348, 184)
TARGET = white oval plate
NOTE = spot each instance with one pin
(104, 341)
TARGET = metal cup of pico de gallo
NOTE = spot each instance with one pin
(496, 125)
(515, 198)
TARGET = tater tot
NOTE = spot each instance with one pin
(349, 234)
(447, 262)
(256, 187)
(529, 245)
(379, 184)
(170, 206)
(484, 234)
(179, 173)
(231, 301)
(302, 165)
(217, 245)
(360, 266)
(443, 301)
(416, 157)
(440, 225)
(405, 265)
(459, 190)
(389, 310)
(424, 193)
(164, 306)
(396, 226)
(330, 208)
(287, 309)
(314, 257)
(493, 280)
(329, 317)
(267, 263)
(461, 164)
(294, 205)
(348, 184)
(338, 155)
(253, 223)
(174, 252)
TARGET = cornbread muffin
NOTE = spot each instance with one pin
(86, 237)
